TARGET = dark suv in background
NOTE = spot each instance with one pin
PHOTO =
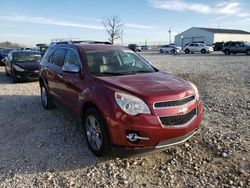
(134, 47)
(119, 98)
(236, 47)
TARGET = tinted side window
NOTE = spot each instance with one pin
(233, 44)
(71, 57)
(191, 45)
(58, 57)
(241, 44)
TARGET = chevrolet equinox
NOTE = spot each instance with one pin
(119, 98)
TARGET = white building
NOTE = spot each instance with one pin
(210, 36)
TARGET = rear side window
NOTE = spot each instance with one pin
(71, 57)
(58, 57)
(191, 45)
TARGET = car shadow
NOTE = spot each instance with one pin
(4, 78)
(36, 140)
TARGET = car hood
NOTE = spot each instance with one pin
(31, 66)
(150, 87)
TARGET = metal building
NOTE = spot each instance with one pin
(210, 36)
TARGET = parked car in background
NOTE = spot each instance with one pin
(42, 48)
(145, 47)
(169, 49)
(119, 97)
(218, 46)
(197, 47)
(134, 47)
(23, 65)
(3, 53)
(236, 47)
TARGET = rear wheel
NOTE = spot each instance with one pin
(96, 133)
(161, 51)
(248, 52)
(187, 51)
(45, 98)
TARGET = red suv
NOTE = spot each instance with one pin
(118, 97)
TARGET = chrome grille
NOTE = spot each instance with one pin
(172, 103)
(180, 120)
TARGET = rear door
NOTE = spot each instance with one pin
(233, 47)
(73, 83)
(54, 73)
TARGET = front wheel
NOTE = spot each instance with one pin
(248, 52)
(187, 51)
(203, 51)
(95, 130)
(227, 52)
(7, 73)
(173, 51)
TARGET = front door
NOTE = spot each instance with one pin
(73, 83)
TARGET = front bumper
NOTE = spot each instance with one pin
(26, 75)
(148, 126)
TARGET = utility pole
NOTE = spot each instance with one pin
(122, 37)
(169, 32)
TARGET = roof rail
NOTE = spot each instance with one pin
(79, 42)
(90, 42)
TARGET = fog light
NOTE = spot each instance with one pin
(133, 137)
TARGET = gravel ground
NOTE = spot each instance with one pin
(40, 148)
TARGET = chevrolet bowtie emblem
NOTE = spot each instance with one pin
(183, 110)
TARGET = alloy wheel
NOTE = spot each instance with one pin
(94, 134)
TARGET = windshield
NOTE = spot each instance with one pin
(116, 63)
(26, 57)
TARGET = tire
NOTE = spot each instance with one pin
(203, 51)
(227, 52)
(187, 51)
(161, 51)
(7, 73)
(248, 52)
(15, 79)
(95, 129)
(173, 51)
(45, 99)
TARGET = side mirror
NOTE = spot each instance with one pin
(71, 68)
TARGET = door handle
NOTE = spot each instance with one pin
(60, 76)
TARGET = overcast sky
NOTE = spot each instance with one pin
(36, 21)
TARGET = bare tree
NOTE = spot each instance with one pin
(8, 44)
(113, 27)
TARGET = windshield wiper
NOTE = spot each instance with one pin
(143, 71)
(115, 73)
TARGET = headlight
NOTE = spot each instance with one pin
(18, 68)
(197, 96)
(131, 104)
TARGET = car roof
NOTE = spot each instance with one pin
(100, 47)
(92, 47)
